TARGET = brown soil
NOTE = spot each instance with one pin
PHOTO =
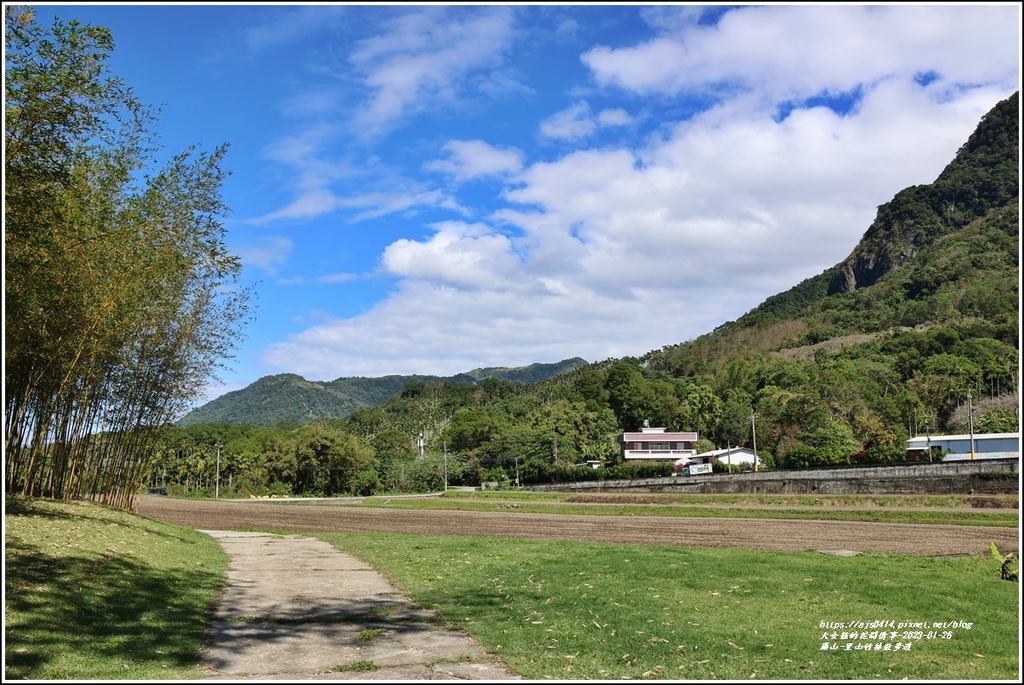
(757, 534)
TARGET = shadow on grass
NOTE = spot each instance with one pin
(17, 506)
(101, 608)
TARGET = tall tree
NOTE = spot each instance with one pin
(121, 297)
(629, 395)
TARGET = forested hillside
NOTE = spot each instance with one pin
(290, 398)
(843, 367)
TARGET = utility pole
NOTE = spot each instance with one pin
(216, 488)
(928, 436)
(970, 421)
(753, 433)
(445, 447)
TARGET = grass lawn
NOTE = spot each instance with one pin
(96, 593)
(560, 610)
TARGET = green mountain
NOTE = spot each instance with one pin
(288, 397)
(524, 375)
(945, 253)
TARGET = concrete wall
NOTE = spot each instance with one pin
(988, 477)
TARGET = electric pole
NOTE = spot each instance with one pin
(753, 433)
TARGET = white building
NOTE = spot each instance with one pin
(657, 444)
(959, 447)
(729, 455)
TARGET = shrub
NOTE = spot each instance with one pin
(365, 482)
(801, 456)
(635, 470)
(884, 454)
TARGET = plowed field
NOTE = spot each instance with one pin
(758, 534)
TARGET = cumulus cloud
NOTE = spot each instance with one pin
(797, 52)
(572, 123)
(431, 328)
(614, 117)
(614, 250)
(458, 255)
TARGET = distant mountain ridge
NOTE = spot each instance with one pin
(288, 397)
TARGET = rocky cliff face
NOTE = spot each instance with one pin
(983, 176)
(862, 270)
(901, 229)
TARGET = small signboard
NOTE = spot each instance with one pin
(697, 469)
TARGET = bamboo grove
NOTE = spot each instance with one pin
(121, 297)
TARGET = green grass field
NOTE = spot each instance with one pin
(597, 611)
(94, 593)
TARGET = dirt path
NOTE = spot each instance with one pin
(759, 534)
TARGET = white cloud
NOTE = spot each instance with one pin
(316, 173)
(425, 57)
(614, 117)
(288, 25)
(470, 159)
(458, 255)
(309, 204)
(322, 183)
(622, 252)
(577, 122)
(670, 18)
(269, 255)
(435, 329)
(378, 204)
(337, 278)
(797, 52)
(572, 123)
(422, 58)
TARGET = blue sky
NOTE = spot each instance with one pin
(429, 189)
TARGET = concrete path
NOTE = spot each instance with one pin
(297, 608)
